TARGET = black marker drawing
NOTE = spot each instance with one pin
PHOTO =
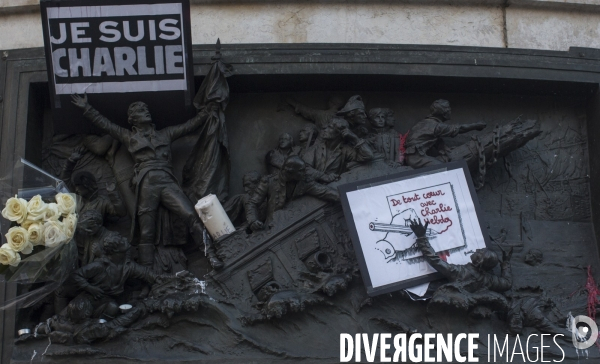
(434, 204)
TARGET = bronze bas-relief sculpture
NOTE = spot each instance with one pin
(292, 181)
(425, 136)
(291, 251)
(154, 181)
(473, 287)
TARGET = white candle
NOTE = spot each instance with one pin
(214, 217)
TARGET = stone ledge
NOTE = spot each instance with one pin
(17, 6)
(559, 5)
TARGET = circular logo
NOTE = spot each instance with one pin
(581, 327)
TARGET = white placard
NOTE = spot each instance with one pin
(382, 217)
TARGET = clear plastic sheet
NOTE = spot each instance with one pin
(46, 268)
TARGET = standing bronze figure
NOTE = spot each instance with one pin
(331, 154)
(277, 156)
(154, 181)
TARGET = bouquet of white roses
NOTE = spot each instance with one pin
(37, 223)
(40, 216)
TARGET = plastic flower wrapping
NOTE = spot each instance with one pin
(38, 224)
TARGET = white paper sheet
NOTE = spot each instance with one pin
(419, 290)
(382, 217)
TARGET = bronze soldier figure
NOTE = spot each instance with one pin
(101, 283)
(307, 136)
(90, 235)
(276, 189)
(66, 328)
(384, 140)
(286, 148)
(425, 137)
(85, 185)
(471, 285)
(331, 155)
(354, 113)
(236, 205)
(154, 181)
(277, 156)
(103, 280)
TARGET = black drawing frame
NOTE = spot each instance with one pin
(358, 185)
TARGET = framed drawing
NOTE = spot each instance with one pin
(379, 211)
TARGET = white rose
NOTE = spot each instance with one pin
(51, 213)
(27, 223)
(8, 256)
(54, 234)
(36, 208)
(36, 233)
(66, 203)
(18, 240)
(15, 210)
(69, 224)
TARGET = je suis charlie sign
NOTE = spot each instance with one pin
(118, 53)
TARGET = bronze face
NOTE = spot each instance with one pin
(357, 117)
(140, 116)
(285, 141)
(378, 120)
